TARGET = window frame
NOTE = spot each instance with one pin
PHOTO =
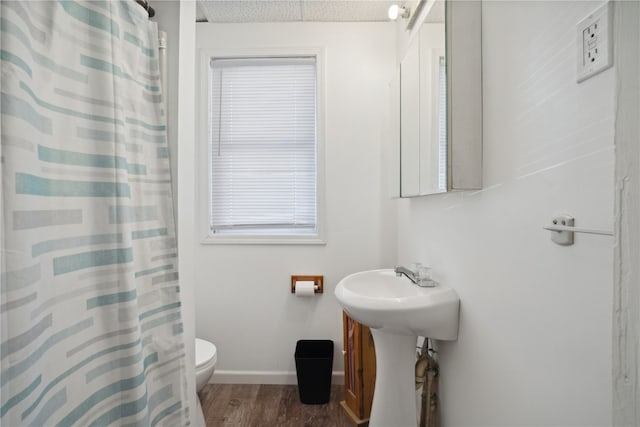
(203, 151)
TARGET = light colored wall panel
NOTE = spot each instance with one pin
(626, 299)
(535, 327)
(243, 300)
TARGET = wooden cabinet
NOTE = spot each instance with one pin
(359, 370)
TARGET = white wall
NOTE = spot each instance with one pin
(626, 295)
(244, 304)
(168, 18)
(535, 327)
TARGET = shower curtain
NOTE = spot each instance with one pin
(91, 329)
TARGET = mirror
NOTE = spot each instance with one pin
(440, 100)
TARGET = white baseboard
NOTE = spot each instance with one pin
(264, 377)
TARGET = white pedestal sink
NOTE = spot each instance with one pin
(397, 311)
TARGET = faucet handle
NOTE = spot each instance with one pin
(424, 279)
(415, 267)
(423, 273)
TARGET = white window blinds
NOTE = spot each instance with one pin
(442, 125)
(263, 146)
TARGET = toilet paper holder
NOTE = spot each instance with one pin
(317, 280)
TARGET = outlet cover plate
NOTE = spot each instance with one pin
(595, 42)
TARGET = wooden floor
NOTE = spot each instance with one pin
(267, 405)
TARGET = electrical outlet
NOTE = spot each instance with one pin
(595, 42)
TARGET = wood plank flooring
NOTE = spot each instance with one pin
(268, 405)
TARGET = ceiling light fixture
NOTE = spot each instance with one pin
(396, 11)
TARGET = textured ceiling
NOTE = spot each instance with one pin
(293, 10)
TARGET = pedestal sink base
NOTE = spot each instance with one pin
(396, 311)
(394, 398)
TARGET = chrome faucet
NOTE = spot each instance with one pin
(404, 270)
(415, 278)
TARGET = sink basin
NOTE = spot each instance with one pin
(397, 311)
(381, 300)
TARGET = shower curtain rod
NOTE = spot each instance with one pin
(147, 7)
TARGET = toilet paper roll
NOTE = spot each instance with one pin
(305, 289)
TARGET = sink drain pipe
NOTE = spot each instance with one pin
(427, 375)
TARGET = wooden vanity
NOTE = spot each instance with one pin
(359, 370)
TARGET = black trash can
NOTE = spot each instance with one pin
(314, 364)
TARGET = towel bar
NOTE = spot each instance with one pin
(563, 230)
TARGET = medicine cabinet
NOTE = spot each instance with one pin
(440, 100)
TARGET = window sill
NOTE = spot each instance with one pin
(262, 240)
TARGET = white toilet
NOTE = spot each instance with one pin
(206, 358)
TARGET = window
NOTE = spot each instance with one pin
(263, 147)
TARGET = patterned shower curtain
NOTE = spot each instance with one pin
(91, 329)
